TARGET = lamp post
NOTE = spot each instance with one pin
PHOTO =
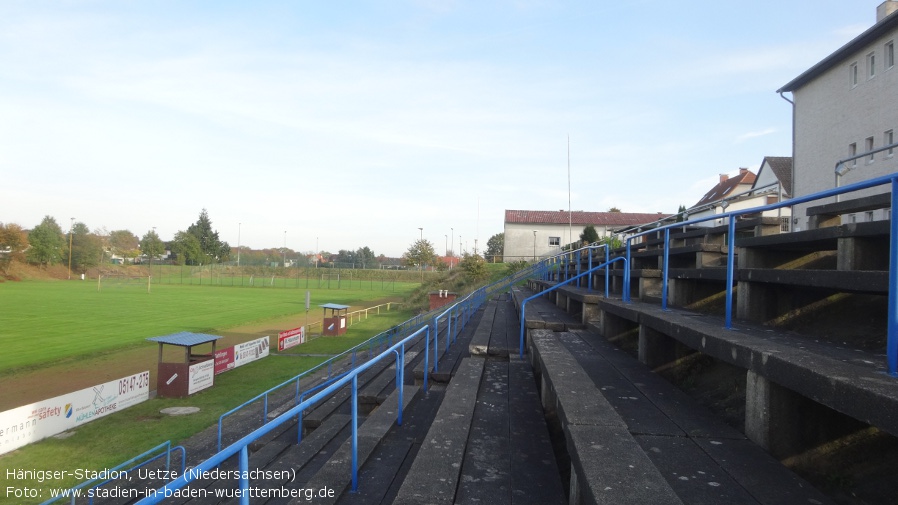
(238, 243)
(285, 248)
(422, 233)
(71, 227)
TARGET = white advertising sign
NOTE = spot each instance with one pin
(250, 351)
(201, 376)
(30, 423)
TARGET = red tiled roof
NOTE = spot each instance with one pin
(727, 187)
(580, 218)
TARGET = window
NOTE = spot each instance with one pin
(554, 241)
(852, 151)
(890, 54)
(852, 74)
(888, 139)
(871, 66)
(869, 216)
(868, 146)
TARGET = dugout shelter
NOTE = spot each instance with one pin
(182, 378)
(336, 323)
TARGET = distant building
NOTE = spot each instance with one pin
(772, 184)
(845, 106)
(531, 234)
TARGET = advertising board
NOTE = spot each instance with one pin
(291, 338)
(240, 354)
(29, 423)
(201, 376)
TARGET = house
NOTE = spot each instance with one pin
(843, 108)
(531, 234)
(746, 190)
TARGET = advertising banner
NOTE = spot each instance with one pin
(248, 352)
(240, 354)
(30, 423)
(201, 376)
(291, 338)
(224, 360)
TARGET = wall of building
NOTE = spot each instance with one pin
(830, 114)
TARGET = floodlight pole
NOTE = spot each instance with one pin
(71, 228)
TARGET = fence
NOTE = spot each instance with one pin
(284, 278)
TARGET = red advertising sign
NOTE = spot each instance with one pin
(290, 338)
(224, 360)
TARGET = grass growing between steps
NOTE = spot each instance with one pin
(109, 441)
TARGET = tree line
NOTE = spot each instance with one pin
(79, 247)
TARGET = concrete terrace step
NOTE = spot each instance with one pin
(434, 474)
(607, 464)
(336, 473)
(704, 460)
(542, 313)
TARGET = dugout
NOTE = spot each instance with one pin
(182, 378)
(336, 323)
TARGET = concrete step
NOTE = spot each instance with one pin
(434, 474)
(336, 473)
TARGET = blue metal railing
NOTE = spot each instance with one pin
(95, 483)
(589, 271)
(892, 324)
(240, 447)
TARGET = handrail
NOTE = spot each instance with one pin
(626, 296)
(240, 447)
(892, 325)
(414, 322)
(114, 471)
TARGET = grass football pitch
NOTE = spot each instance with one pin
(45, 322)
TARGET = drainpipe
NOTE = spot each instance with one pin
(792, 193)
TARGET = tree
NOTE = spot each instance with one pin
(87, 248)
(13, 242)
(614, 209)
(420, 254)
(151, 245)
(214, 249)
(681, 214)
(589, 235)
(186, 248)
(366, 256)
(474, 267)
(47, 243)
(124, 243)
(495, 246)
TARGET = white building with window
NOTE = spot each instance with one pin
(846, 105)
(532, 234)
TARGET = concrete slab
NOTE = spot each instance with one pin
(434, 475)
(612, 468)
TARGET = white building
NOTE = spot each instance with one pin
(531, 234)
(844, 106)
(772, 184)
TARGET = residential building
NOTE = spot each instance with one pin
(772, 184)
(531, 234)
(845, 106)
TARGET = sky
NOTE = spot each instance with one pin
(340, 125)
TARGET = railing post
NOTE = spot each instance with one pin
(665, 269)
(355, 433)
(731, 254)
(426, 357)
(892, 338)
(626, 294)
(244, 471)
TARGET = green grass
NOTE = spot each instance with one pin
(44, 322)
(108, 441)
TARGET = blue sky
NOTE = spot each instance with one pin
(351, 124)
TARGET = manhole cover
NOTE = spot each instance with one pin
(180, 411)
